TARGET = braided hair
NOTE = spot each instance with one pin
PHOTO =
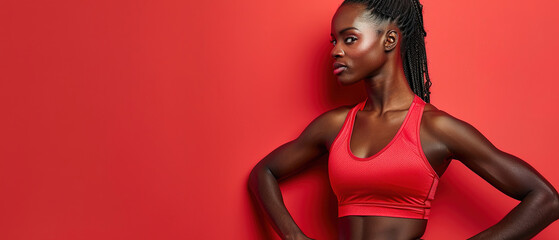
(409, 18)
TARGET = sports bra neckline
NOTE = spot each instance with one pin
(360, 107)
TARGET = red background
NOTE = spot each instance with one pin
(143, 119)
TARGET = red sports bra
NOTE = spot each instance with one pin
(398, 181)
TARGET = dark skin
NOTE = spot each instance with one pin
(371, 51)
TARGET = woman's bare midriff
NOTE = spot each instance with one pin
(380, 228)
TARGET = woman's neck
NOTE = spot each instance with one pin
(388, 90)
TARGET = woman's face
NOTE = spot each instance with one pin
(358, 44)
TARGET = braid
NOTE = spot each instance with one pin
(409, 18)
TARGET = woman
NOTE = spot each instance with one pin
(382, 43)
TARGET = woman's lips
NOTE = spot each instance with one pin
(339, 67)
(339, 70)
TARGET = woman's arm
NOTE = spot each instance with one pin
(539, 204)
(283, 162)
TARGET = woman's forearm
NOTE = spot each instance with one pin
(264, 187)
(528, 218)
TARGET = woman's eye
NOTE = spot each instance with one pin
(352, 38)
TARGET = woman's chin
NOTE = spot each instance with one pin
(345, 81)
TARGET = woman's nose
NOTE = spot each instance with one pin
(337, 52)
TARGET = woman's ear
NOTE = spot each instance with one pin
(391, 40)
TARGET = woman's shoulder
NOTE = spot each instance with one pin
(334, 118)
(435, 116)
(431, 111)
(324, 128)
(330, 122)
(459, 137)
(440, 122)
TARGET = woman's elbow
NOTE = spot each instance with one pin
(549, 202)
(255, 176)
(555, 205)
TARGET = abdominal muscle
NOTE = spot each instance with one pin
(380, 228)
